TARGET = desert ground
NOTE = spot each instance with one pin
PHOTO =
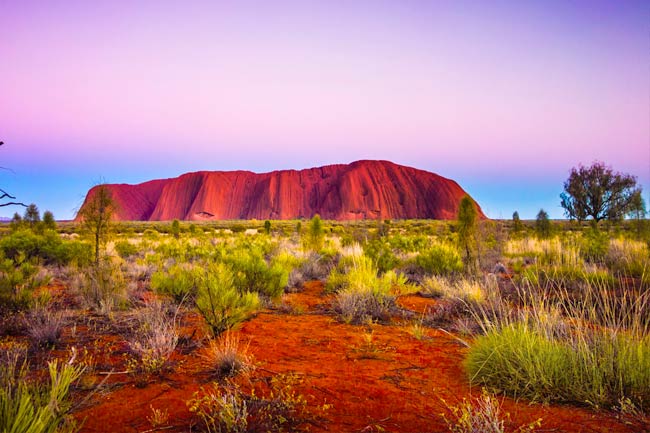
(372, 326)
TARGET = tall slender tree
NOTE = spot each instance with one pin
(96, 214)
(467, 228)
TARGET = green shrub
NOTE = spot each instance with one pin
(364, 296)
(594, 245)
(32, 407)
(591, 349)
(219, 301)
(178, 281)
(103, 287)
(17, 283)
(628, 258)
(382, 255)
(440, 259)
(125, 249)
(253, 274)
(524, 363)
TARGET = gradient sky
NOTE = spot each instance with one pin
(502, 96)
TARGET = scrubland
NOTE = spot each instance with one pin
(247, 326)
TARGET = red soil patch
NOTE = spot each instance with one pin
(377, 377)
(416, 303)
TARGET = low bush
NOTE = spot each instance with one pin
(364, 295)
(381, 254)
(101, 287)
(439, 259)
(125, 249)
(628, 258)
(278, 408)
(178, 281)
(44, 326)
(252, 273)
(17, 283)
(28, 406)
(226, 356)
(222, 305)
(595, 349)
(154, 339)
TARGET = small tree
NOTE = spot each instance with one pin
(96, 214)
(542, 225)
(32, 215)
(467, 225)
(638, 213)
(48, 220)
(517, 225)
(176, 229)
(315, 234)
(16, 222)
(267, 227)
(597, 192)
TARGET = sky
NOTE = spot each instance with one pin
(505, 97)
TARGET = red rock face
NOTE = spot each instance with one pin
(361, 190)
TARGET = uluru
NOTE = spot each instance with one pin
(361, 190)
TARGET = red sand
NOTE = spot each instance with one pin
(377, 377)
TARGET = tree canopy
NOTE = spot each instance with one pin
(599, 193)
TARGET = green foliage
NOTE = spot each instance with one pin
(96, 214)
(253, 274)
(590, 347)
(466, 228)
(125, 249)
(364, 296)
(32, 215)
(594, 245)
(542, 225)
(27, 406)
(175, 229)
(17, 283)
(103, 287)
(48, 220)
(517, 225)
(524, 363)
(267, 227)
(315, 235)
(599, 193)
(440, 259)
(178, 281)
(219, 301)
(382, 255)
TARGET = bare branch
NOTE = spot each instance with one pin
(12, 203)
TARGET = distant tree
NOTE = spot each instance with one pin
(597, 192)
(467, 227)
(542, 225)
(176, 229)
(298, 227)
(96, 215)
(638, 213)
(267, 227)
(32, 216)
(517, 226)
(16, 222)
(315, 234)
(48, 220)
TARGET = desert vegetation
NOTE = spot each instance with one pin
(324, 325)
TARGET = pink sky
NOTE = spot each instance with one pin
(498, 95)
